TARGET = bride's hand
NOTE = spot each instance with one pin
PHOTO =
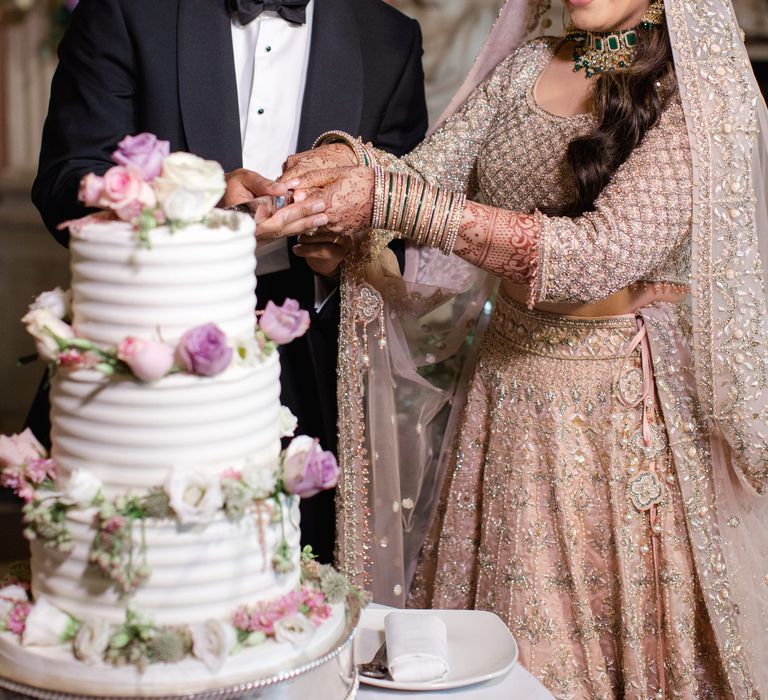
(348, 196)
(333, 155)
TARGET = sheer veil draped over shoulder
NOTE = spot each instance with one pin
(408, 342)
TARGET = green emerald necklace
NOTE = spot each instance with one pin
(597, 52)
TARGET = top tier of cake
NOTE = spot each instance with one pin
(190, 277)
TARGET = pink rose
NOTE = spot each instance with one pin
(126, 193)
(148, 360)
(204, 351)
(71, 359)
(307, 468)
(38, 470)
(143, 151)
(17, 620)
(122, 189)
(20, 449)
(285, 323)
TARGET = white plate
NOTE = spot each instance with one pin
(480, 647)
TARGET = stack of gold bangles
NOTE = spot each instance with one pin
(406, 204)
(417, 210)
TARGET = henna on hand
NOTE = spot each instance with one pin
(333, 155)
(348, 194)
(499, 241)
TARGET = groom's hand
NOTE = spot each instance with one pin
(244, 185)
(324, 252)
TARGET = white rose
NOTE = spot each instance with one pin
(288, 422)
(189, 187)
(41, 324)
(296, 630)
(9, 596)
(92, 640)
(194, 497)
(248, 352)
(80, 489)
(57, 301)
(45, 625)
(212, 643)
(260, 479)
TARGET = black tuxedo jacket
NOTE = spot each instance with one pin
(167, 67)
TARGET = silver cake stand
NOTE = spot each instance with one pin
(333, 676)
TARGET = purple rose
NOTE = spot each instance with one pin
(285, 323)
(143, 151)
(204, 351)
(307, 468)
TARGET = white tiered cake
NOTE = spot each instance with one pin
(165, 526)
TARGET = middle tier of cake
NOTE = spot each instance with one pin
(131, 435)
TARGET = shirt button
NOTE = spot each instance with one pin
(260, 111)
(268, 49)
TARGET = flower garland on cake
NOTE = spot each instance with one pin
(191, 497)
(203, 351)
(291, 619)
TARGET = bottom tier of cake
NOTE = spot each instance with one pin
(56, 669)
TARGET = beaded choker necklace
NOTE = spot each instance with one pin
(597, 52)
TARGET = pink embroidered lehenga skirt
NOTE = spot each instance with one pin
(538, 522)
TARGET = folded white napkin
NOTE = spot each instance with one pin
(417, 647)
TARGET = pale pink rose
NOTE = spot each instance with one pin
(307, 468)
(143, 151)
(91, 190)
(44, 326)
(231, 475)
(285, 323)
(126, 193)
(148, 360)
(19, 449)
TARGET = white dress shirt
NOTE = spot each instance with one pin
(271, 59)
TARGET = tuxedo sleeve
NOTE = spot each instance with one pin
(405, 121)
(92, 107)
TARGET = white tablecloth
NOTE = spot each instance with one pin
(517, 685)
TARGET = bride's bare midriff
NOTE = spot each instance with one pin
(625, 301)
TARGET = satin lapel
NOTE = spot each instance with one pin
(207, 85)
(333, 98)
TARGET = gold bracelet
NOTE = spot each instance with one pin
(426, 213)
(360, 151)
(379, 198)
(454, 225)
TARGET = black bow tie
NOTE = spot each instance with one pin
(293, 11)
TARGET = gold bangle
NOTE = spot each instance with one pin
(379, 197)
(361, 154)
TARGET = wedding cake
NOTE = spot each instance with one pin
(164, 525)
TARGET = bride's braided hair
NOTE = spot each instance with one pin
(626, 105)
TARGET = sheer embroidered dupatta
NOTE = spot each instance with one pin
(397, 425)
